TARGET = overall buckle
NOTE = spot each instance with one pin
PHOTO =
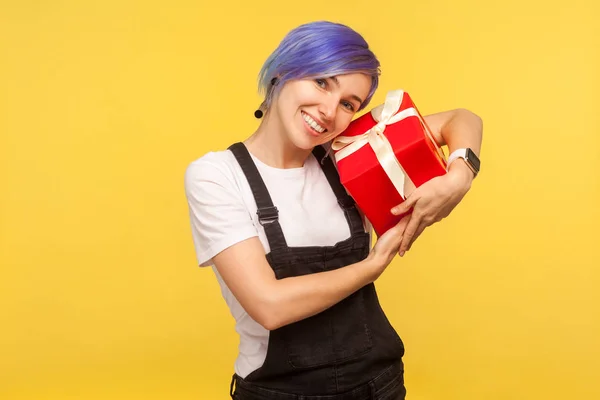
(267, 215)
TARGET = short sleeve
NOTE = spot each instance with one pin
(218, 215)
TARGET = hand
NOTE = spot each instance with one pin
(386, 247)
(431, 202)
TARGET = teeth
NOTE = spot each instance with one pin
(313, 123)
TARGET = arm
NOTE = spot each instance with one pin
(274, 303)
(224, 231)
(434, 200)
(457, 129)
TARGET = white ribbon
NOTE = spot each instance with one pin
(385, 114)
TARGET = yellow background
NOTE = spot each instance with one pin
(103, 104)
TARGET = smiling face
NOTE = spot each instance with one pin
(314, 111)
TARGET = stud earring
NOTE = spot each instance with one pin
(258, 114)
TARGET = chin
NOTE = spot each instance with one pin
(305, 142)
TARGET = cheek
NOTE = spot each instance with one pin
(286, 109)
(343, 122)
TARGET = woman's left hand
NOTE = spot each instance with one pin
(431, 202)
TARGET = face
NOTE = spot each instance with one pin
(314, 111)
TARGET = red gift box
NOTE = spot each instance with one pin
(384, 155)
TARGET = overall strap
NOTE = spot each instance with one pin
(268, 215)
(344, 200)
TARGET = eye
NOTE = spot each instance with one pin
(347, 105)
(321, 82)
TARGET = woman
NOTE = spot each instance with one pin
(290, 248)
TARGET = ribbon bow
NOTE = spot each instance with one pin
(385, 114)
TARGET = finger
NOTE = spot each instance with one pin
(401, 225)
(420, 230)
(409, 232)
(406, 205)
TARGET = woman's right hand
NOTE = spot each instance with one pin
(387, 246)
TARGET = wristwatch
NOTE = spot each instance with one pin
(468, 155)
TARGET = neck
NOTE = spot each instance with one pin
(271, 145)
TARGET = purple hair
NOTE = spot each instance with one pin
(318, 50)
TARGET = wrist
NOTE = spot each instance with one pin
(377, 262)
(372, 267)
(461, 173)
(470, 159)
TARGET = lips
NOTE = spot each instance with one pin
(315, 124)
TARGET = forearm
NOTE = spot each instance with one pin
(296, 298)
(463, 130)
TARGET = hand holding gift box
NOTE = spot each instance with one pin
(384, 155)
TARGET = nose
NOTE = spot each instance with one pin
(327, 108)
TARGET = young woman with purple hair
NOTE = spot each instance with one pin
(289, 247)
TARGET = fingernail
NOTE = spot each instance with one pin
(401, 253)
(394, 211)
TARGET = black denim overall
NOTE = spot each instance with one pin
(347, 352)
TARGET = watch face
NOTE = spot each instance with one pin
(473, 159)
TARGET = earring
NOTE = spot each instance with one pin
(258, 114)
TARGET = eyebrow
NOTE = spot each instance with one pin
(355, 97)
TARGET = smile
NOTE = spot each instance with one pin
(312, 123)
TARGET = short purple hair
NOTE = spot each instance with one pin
(318, 50)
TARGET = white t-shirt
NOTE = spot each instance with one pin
(223, 212)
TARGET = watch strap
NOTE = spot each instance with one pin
(465, 154)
